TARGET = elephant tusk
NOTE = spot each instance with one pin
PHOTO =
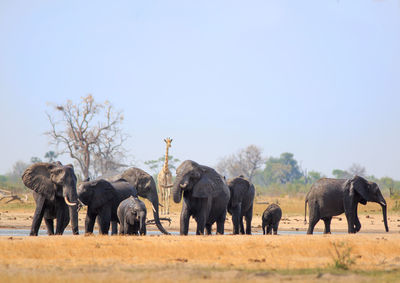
(183, 186)
(152, 206)
(69, 203)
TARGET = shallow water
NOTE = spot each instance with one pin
(25, 232)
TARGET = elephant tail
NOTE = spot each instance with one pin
(305, 210)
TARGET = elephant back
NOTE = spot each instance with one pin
(139, 179)
(272, 213)
(211, 184)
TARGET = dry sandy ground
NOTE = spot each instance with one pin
(371, 222)
(298, 258)
(372, 256)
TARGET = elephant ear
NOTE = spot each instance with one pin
(103, 193)
(37, 177)
(359, 185)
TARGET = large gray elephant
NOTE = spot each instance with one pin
(205, 197)
(330, 197)
(102, 198)
(132, 217)
(241, 203)
(146, 188)
(54, 192)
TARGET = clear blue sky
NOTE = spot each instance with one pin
(320, 79)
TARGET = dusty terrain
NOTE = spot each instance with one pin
(369, 256)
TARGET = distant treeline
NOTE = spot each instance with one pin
(283, 175)
(272, 176)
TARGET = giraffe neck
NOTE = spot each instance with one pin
(166, 160)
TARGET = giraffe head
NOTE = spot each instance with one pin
(168, 141)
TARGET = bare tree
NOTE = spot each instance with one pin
(109, 155)
(89, 131)
(357, 169)
(245, 163)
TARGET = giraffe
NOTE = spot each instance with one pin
(164, 179)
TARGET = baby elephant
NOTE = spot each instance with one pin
(132, 217)
(270, 218)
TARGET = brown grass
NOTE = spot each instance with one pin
(46, 258)
(296, 258)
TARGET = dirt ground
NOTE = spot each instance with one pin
(369, 256)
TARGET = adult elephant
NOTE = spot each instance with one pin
(54, 192)
(205, 197)
(102, 198)
(146, 188)
(330, 197)
(241, 203)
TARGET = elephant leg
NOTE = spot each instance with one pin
(62, 215)
(202, 216)
(221, 223)
(114, 228)
(89, 222)
(327, 222)
(66, 219)
(249, 216)
(275, 228)
(313, 218)
(236, 219)
(128, 229)
(208, 229)
(350, 207)
(350, 222)
(37, 216)
(201, 223)
(136, 228)
(121, 227)
(269, 229)
(50, 226)
(356, 221)
(241, 225)
(143, 231)
(103, 219)
(263, 227)
(184, 221)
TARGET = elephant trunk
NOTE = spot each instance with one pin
(384, 209)
(154, 203)
(382, 202)
(142, 221)
(177, 190)
(73, 213)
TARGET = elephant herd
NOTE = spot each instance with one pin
(206, 196)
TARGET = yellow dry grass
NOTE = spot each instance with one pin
(295, 258)
(161, 258)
